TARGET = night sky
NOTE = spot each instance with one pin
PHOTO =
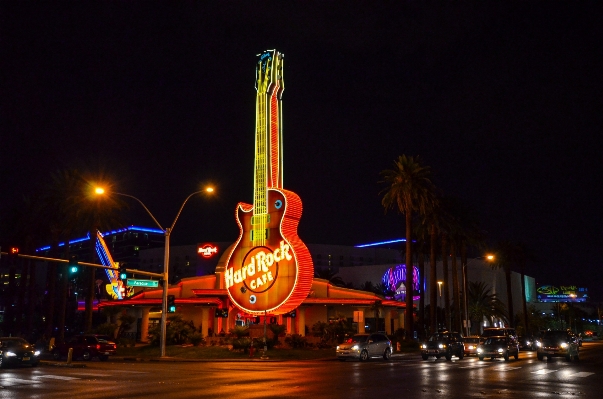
(501, 99)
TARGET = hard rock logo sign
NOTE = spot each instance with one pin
(269, 269)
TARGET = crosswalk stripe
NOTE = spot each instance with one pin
(581, 374)
(58, 377)
(543, 371)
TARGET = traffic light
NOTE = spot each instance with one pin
(73, 264)
(122, 274)
(13, 255)
(171, 304)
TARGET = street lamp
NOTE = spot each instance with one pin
(437, 307)
(166, 255)
(490, 258)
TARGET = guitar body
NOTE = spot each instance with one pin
(269, 268)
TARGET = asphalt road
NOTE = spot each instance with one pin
(402, 377)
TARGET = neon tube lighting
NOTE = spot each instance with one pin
(130, 228)
(380, 243)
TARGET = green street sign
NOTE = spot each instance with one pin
(142, 283)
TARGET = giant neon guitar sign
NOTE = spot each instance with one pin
(269, 269)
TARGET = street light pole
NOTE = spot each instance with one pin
(166, 259)
(438, 305)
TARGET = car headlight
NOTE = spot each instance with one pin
(423, 346)
(11, 354)
(335, 348)
(37, 353)
(538, 343)
(500, 350)
(471, 347)
(442, 346)
(528, 343)
(479, 350)
(355, 347)
(563, 345)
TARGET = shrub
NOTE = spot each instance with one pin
(296, 341)
(277, 329)
(241, 343)
(240, 331)
(196, 339)
(177, 331)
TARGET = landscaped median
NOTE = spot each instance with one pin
(225, 352)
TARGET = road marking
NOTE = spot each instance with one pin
(507, 368)
(15, 381)
(543, 371)
(58, 377)
(581, 374)
(94, 374)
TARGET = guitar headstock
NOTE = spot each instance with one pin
(269, 72)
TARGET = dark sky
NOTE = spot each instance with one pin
(501, 99)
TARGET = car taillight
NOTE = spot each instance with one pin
(97, 346)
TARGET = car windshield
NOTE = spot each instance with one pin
(14, 342)
(555, 335)
(357, 338)
(494, 341)
(471, 340)
(438, 337)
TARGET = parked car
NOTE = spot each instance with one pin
(471, 345)
(444, 343)
(558, 343)
(498, 346)
(365, 346)
(17, 351)
(86, 347)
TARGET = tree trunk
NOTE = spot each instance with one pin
(509, 297)
(446, 288)
(464, 287)
(408, 315)
(91, 281)
(64, 284)
(10, 314)
(433, 278)
(51, 283)
(21, 296)
(455, 289)
(31, 297)
(421, 328)
(524, 301)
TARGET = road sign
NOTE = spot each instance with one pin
(142, 283)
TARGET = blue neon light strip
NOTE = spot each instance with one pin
(131, 228)
(380, 243)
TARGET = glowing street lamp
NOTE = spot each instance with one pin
(439, 300)
(489, 258)
(166, 255)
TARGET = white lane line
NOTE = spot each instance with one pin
(58, 377)
(581, 374)
(476, 365)
(543, 371)
(507, 368)
(14, 381)
(94, 374)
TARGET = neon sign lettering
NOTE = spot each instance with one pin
(259, 262)
(207, 250)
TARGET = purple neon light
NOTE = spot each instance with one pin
(394, 279)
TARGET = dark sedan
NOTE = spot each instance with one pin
(17, 351)
(86, 347)
(502, 346)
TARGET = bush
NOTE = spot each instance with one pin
(177, 331)
(240, 331)
(296, 341)
(241, 343)
(196, 339)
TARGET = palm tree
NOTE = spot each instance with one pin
(509, 254)
(409, 190)
(482, 303)
(377, 307)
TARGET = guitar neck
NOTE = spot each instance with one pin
(268, 155)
